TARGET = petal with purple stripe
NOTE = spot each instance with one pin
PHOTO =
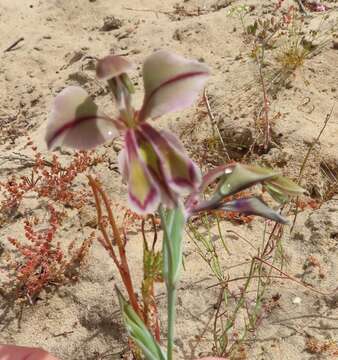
(144, 195)
(155, 167)
(76, 122)
(181, 174)
(171, 83)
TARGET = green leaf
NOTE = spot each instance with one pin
(138, 332)
(152, 265)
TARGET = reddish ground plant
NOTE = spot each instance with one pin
(40, 262)
(48, 179)
(327, 347)
(114, 240)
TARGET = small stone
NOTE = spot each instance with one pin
(79, 77)
(297, 300)
(30, 89)
(74, 57)
(9, 77)
(88, 217)
(111, 23)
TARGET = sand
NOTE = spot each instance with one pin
(82, 320)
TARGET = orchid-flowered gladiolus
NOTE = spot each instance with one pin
(153, 162)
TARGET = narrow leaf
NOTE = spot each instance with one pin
(253, 206)
(138, 332)
(171, 83)
(76, 122)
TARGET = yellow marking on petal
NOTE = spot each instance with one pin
(177, 164)
(149, 156)
(139, 183)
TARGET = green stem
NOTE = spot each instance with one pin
(171, 288)
(171, 320)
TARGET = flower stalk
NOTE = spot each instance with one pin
(173, 222)
(159, 175)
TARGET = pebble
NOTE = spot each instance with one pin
(111, 23)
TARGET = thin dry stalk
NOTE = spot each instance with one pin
(122, 263)
(267, 129)
(306, 158)
(301, 6)
(289, 277)
(214, 123)
(151, 317)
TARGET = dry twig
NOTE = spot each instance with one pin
(301, 171)
(214, 123)
(11, 47)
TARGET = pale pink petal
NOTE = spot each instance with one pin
(123, 164)
(76, 122)
(143, 192)
(111, 66)
(155, 167)
(171, 83)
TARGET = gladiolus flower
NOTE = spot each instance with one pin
(153, 162)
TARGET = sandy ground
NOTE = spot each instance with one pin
(82, 321)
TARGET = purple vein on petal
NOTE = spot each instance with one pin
(142, 207)
(71, 125)
(155, 167)
(75, 121)
(180, 172)
(176, 78)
